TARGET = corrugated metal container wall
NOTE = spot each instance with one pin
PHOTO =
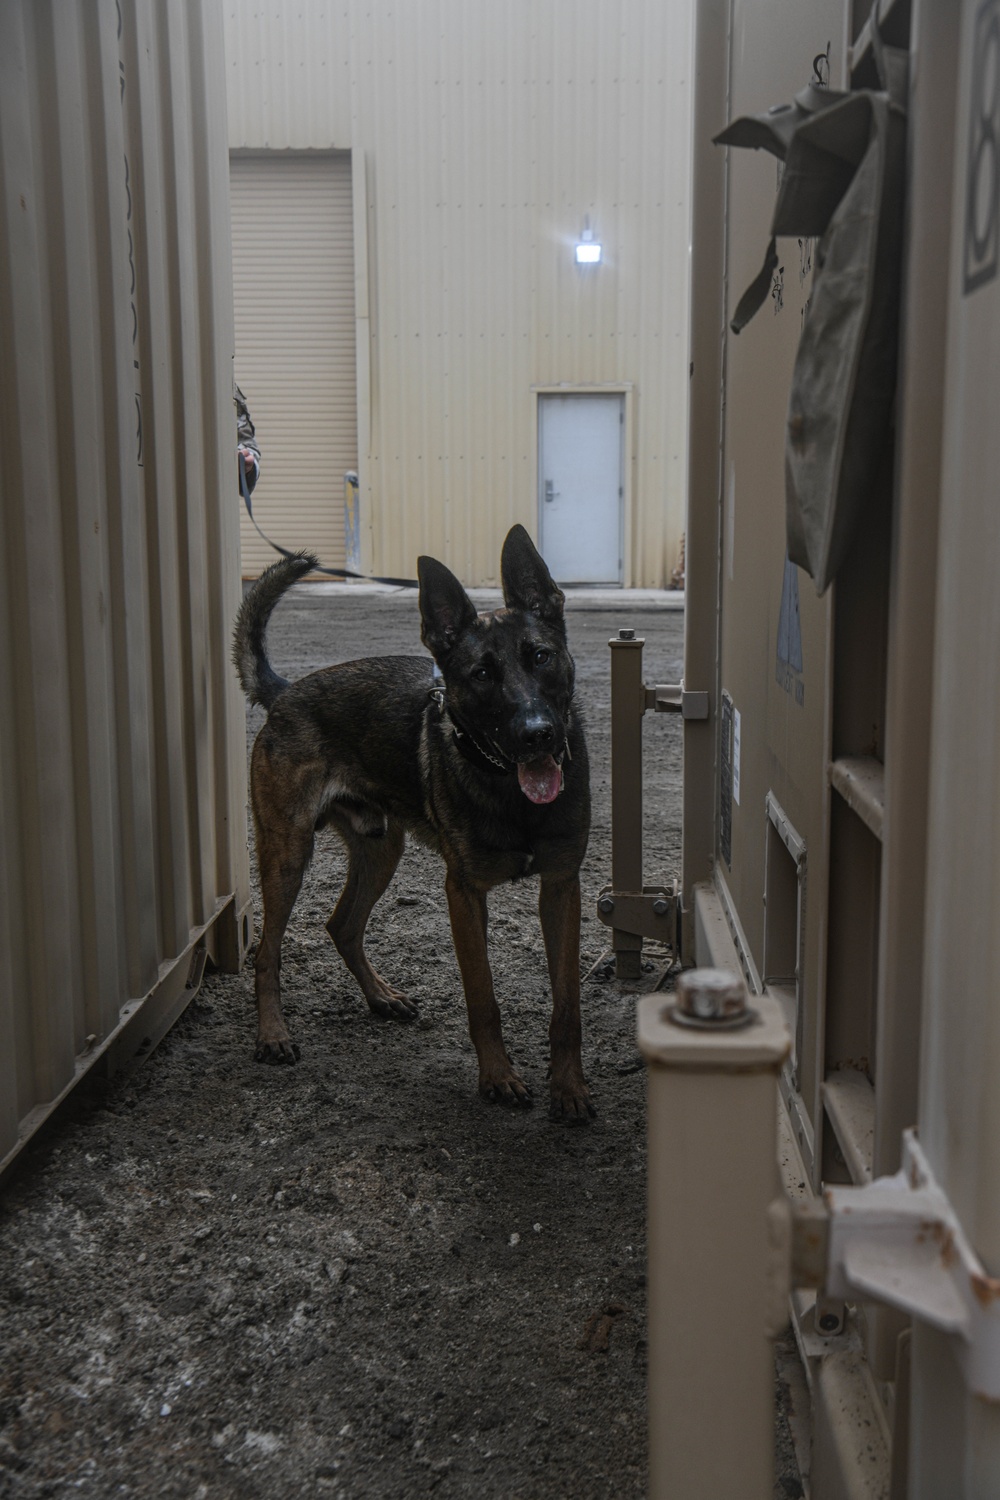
(486, 134)
(122, 740)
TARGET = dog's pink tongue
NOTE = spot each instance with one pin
(541, 780)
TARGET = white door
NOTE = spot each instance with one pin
(581, 476)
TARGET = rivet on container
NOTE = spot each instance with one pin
(711, 1000)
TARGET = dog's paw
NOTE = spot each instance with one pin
(572, 1104)
(390, 1005)
(507, 1089)
(284, 1051)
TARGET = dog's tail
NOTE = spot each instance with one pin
(259, 680)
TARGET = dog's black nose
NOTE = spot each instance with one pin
(537, 734)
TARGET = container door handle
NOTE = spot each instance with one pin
(550, 492)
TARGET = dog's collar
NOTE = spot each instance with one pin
(436, 692)
(493, 760)
(498, 764)
(478, 755)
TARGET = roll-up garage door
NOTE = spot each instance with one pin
(293, 274)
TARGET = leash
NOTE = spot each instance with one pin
(401, 583)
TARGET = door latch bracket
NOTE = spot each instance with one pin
(653, 912)
(675, 698)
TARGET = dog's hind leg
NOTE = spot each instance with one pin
(372, 864)
(282, 855)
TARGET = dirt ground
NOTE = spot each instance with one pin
(354, 1277)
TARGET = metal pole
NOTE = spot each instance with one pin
(705, 443)
(717, 1281)
(352, 522)
(627, 708)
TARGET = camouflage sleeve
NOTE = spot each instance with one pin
(244, 425)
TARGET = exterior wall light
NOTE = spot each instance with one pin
(588, 250)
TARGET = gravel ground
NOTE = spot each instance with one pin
(354, 1277)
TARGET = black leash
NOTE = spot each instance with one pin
(402, 583)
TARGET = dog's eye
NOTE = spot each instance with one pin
(481, 674)
(541, 656)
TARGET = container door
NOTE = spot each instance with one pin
(581, 486)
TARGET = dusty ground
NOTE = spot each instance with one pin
(352, 1277)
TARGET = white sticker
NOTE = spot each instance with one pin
(736, 756)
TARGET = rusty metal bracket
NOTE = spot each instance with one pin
(653, 912)
(898, 1241)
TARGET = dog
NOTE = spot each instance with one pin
(479, 753)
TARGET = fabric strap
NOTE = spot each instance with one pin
(402, 583)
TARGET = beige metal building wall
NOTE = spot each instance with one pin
(483, 135)
(293, 275)
(289, 74)
(122, 745)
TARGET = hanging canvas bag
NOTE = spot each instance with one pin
(843, 184)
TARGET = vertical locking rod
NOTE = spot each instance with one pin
(628, 703)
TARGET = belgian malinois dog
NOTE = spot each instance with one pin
(479, 754)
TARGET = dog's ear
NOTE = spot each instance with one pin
(445, 608)
(527, 582)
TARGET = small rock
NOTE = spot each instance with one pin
(262, 1442)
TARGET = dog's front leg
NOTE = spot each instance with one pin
(559, 910)
(467, 908)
